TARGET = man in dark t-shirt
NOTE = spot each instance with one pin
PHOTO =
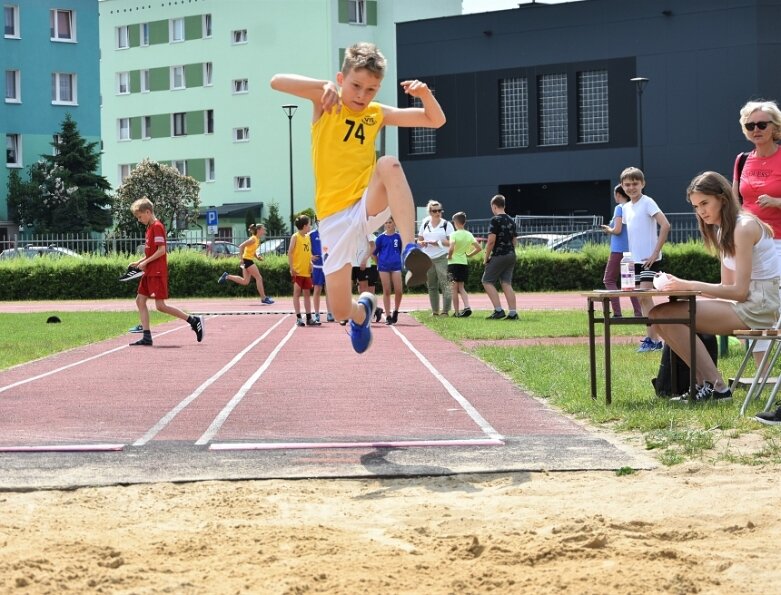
(499, 260)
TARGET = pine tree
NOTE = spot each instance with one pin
(275, 225)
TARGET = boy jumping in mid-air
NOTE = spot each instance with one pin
(354, 192)
(154, 283)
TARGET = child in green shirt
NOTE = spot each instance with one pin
(462, 246)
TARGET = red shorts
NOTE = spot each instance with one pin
(303, 282)
(156, 287)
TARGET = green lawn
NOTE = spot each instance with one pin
(560, 375)
(27, 337)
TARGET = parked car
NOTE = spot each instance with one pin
(276, 246)
(34, 251)
(539, 240)
(574, 242)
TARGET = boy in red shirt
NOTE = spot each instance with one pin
(154, 283)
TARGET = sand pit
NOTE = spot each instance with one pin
(694, 528)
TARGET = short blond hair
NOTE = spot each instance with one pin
(632, 173)
(142, 204)
(768, 107)
(364, 56)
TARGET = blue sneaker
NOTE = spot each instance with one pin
(361, 334)
(648, 344)
(222, 279)
(267, 300)
(329, 317)
(417, 264)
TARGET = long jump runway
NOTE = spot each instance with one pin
(261, 398)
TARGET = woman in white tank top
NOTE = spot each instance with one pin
(747, 296)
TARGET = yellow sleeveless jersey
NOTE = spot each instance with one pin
(343, 155)
(251, 248)
(302, 256)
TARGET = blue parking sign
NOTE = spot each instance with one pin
(211, 217)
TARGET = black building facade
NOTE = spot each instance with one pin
(541, 107)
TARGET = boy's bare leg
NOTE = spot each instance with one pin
(454, 291)
(170, 310)
(143, 311)
(316, 298)
(296, 299)
(509, 295)
(307, 302)
(343, 307)
(389, 188)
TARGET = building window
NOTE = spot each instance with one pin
(240, 86)
(241, 135)
(207, 74)
(207, 25)
(552, 109)
(146, 127)
(56, 141)
(176, 30)
(124, 172)
(179, 124)
(356, 12)
(144, 41)
(177, 77)
(239, 36)
(123, 83)
(13, 150)
(180, 165)
(513, 113)
(144, 81)
(11, 19)
(242, 183)
(62, 25)
(593, 121)
(124, 129)
(209, 121)
(123, 37)
(13, 90)
(423, 141)
(210, 169)
(64, 88)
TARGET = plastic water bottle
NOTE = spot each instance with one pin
(627, 272)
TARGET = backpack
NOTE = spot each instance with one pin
(741, 162)
(663, 381)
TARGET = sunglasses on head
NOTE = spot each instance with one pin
(751, 125)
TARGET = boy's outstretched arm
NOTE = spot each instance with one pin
(324, 95)
(429, 116)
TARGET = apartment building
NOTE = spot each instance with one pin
(49, 55)
(186, 82)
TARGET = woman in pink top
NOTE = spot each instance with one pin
(759, 184)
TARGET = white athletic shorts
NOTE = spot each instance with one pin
(341, 232)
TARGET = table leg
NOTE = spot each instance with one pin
(592, 349)
(606, 314)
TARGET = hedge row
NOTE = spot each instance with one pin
(195, 275)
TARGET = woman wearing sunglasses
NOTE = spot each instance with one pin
(434, 239)
(759, 182)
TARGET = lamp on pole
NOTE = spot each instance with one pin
(290, 109)
(640, 82)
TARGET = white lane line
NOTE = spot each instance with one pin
(78, 363)
(65, 448)
(228, 409)
(377, 444)
(168, 417)
(487, 428)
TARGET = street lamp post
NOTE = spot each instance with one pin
(290, 109)
(640, 82)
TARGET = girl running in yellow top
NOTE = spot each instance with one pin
(249, 269)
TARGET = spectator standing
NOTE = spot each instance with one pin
(642, 217)
(387, 249)
(299, 258)
(619, 243)
(462, 246)
(434, 238)
(500, 260)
